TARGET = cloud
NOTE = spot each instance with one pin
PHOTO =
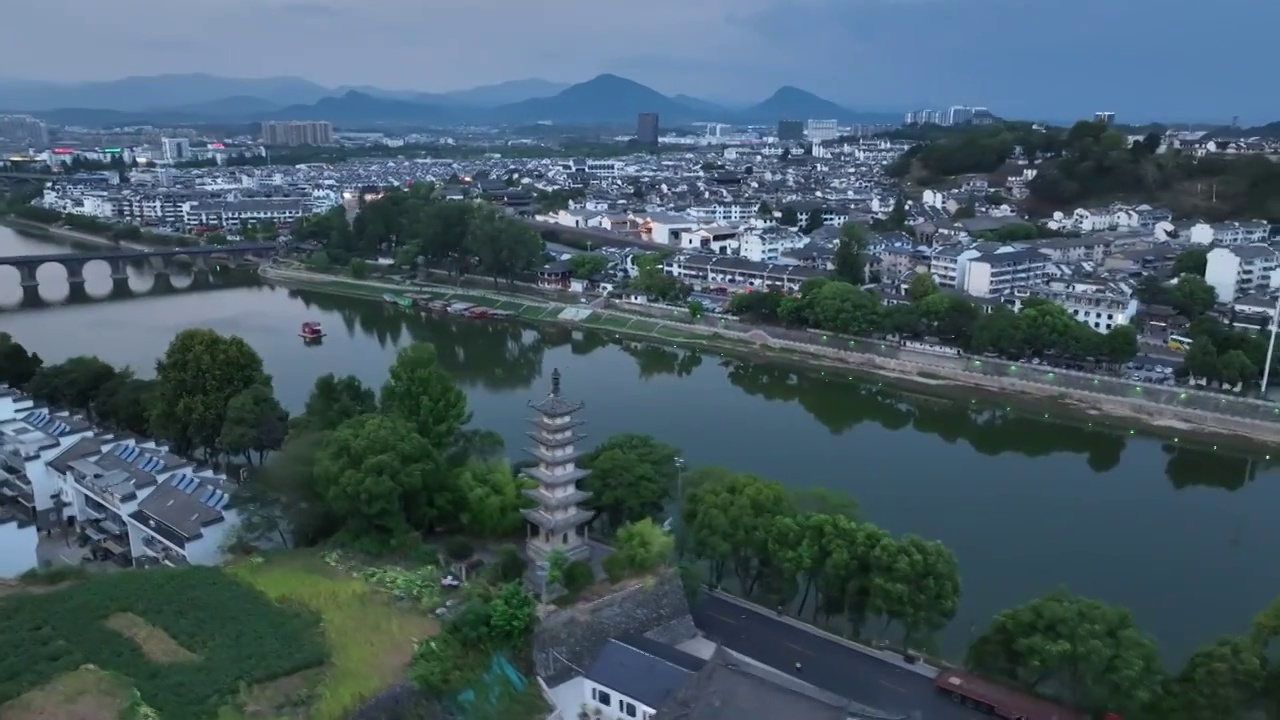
(1028, 58)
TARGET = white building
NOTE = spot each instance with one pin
(1100, 305)
(130, 498)
(821, 130)
(767, 245)
(1240, 270)
(712, 273)
(725, 212)
(30, 437)
(175, 150)
(234, 214)
(997, 273)
(714, 239)
(1230, 233)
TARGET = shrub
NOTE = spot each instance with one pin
(53, 575)
(577, 576)
(615, 567)
(509, 566)
(458, 548)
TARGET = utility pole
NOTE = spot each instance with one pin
(1271, 348)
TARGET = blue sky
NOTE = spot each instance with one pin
(1057, 59)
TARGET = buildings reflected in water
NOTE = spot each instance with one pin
(501, 355)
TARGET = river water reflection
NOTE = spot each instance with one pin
(1182, 535)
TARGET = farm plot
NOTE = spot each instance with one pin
(212, 633)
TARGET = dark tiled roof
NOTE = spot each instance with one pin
(181, 507)
(726, 690)
(78, 450)
(640, 675)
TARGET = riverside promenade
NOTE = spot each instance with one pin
(1169, 411)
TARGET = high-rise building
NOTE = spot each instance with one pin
(294, 132)
(175, 150)
(647, 129)
(1106, 118)
(557, 521)
(23, 130)
(820, 130)
(791, 130)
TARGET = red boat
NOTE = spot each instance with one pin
(311, 331)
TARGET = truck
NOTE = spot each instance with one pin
(1002, 701)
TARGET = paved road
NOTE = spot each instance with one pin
(826, 664)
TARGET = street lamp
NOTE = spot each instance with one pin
(1271, 347)
(676, 527)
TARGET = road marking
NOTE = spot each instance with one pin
(891, 685)
(722, 617)
(797, 647)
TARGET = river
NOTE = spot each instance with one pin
(1183, 535)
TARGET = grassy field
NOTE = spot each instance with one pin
(286, 637)
(370, 639)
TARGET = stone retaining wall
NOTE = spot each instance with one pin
(566, 641)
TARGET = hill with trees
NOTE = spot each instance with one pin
(1092, 163)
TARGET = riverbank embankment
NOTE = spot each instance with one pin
(75, 237)
(1174, 412)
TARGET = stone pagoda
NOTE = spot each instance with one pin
(557, 523)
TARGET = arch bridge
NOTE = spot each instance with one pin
(161, 261)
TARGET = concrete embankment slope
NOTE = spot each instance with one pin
(1169, 411)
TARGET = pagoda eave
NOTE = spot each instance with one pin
(557, 524)
(547, 478)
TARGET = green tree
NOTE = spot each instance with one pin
(557, 563)
(1091, 652)
(897, 219)
(195, 380)
(915, 583)
(17, 365)
(502, 247)
(643, 545)
(1220, 682)
(1120, 344)
(493, 498)
(728, 517)
(512, 613)
(255, 424)
(789, 217)
(922, 286)
(813, 221)
(850, 255)
(335, 400)
(696, 309)
(588, 264)
(632, 478)
(376, 473)
(359, 268)
(1191, 262)
(281, 499)
(419, 392)
(964, 212)
(124, 403)
(1192, 296)
(75, 383)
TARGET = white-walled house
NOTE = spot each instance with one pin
(128, 498)
(29, 439)
(1239, 270)
(631, 678)
(143, 501)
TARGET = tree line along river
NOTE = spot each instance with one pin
(1180, 533)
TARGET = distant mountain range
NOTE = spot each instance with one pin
(192, 99)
